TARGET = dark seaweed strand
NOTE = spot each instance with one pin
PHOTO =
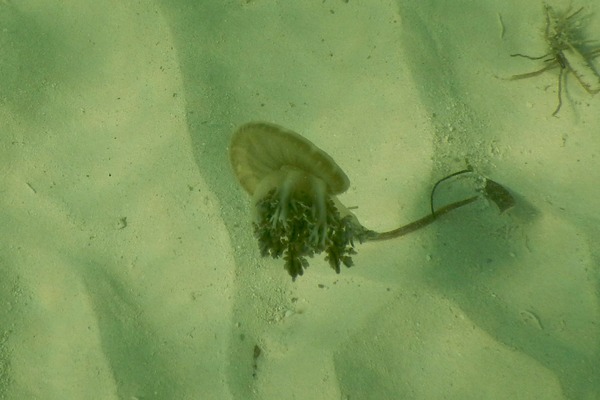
(421, 223)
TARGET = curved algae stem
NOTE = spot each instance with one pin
(420, 223)
(464, 171)
(492, 191)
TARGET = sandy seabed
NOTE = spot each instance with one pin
(129, 270)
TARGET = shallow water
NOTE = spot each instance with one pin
(128, 262)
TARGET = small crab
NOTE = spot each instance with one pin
(568, 51)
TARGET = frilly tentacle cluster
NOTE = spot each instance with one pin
(306, 230)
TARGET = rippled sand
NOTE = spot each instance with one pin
(129, 270)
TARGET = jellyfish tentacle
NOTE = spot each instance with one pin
(318, 235)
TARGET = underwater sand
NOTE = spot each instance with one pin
(128, 266)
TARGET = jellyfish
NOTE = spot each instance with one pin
(294, 187)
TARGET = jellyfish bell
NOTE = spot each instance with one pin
(293, 185)
(260, 149)
(267, 157)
